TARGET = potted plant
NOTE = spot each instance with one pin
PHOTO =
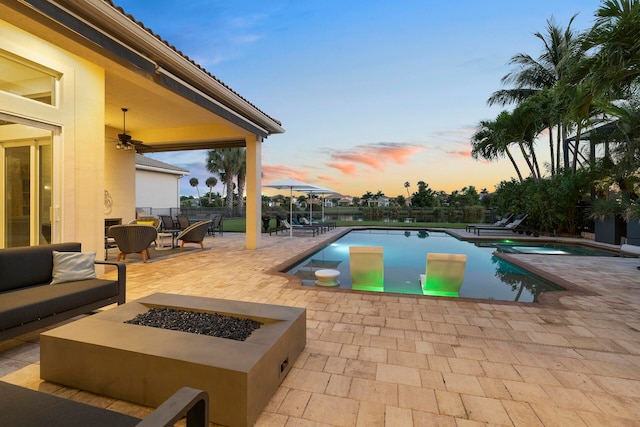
(632, 215)
(609, 225)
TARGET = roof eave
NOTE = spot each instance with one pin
(177, 64)
(106, 16)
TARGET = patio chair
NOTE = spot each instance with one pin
(216, 224)
(152, 221)
(512, 226)
(167, 222)
(133, 238)
(319, 228)
(444, 274)
(504, 220)
(278, 227)
(183, 222)
(194, 234)
(296, 227)
(366, 264)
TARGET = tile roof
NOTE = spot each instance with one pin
(149, 162)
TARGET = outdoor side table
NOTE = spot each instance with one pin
(164, 241)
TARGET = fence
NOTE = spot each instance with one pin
(350, 213)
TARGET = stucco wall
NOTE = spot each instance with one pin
(78, 149)
(157, 190)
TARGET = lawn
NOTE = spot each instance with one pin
(238, 225)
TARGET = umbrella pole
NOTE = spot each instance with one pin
(291, 212)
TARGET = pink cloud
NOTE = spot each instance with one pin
(275, 172)
(375, 156)
(327, 178)
(345, 168)
(459, 153)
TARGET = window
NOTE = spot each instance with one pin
(22, 78)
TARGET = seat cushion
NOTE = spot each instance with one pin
(29, 265)
(29, 304)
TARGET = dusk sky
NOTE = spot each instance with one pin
(371, 94)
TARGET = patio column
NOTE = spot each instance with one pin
(254, 196)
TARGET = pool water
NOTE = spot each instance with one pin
(544, 248)
(486, 276)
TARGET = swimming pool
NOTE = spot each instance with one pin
(486, 276)
(545, 248)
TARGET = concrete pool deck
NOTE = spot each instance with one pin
(396, 360)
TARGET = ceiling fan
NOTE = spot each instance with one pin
(124, 140)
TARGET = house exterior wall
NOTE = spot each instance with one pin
(78, 147)
(120, 181)
(157, 190)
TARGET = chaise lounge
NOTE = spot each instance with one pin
(512, 226)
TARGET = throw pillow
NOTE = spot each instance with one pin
(73, 266)
(151, 223)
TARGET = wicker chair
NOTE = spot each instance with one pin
(133, 239)
(194, 234)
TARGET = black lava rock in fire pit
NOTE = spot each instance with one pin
(212, 324)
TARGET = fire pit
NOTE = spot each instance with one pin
(145, 365)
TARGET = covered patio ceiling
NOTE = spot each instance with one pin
(162, 119)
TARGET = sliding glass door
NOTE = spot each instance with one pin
(26, 179)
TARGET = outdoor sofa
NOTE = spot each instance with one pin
(21, 406)
(28, 300)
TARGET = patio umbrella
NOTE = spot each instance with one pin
(321, 191)
(292, 185)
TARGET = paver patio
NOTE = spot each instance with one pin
(382, 359)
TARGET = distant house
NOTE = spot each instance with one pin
(157, 184)
(333, 200)
(378, 202)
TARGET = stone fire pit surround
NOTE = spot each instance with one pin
(145, 365)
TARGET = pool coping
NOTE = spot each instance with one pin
(546, 299)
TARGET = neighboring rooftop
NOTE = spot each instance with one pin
(153, 164)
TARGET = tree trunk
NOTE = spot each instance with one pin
(558, 146)
(551, 155)
(574, 167)
(515, 165)
(527, 159)
(534, 160)
(229, 200)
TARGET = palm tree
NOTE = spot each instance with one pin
(194, 183)
(241, 174)
(490, 141)
(211, 182)
(615, 67)
(225, 164)
(407, 185)
(559, 57)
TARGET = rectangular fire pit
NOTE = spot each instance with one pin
(146, 365)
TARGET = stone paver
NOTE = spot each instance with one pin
(390, 360)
